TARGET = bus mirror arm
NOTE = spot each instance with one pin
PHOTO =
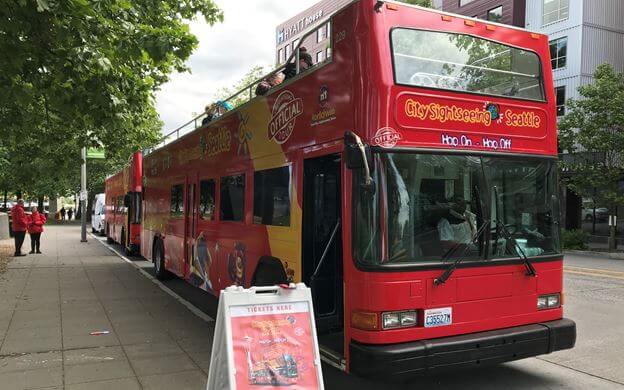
(357, 157)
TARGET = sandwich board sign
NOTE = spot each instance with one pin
(265, 338)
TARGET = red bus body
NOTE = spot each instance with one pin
(301, 125)
(123, 205)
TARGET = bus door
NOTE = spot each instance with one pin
(190, 222)
(322, 242)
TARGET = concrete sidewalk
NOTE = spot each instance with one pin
(50, 303)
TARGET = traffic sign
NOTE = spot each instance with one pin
(95, 153)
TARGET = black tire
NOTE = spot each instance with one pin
(93, 230)
(158, 257)
(269, 272)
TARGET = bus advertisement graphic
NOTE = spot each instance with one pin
(285, 111)
(273, 346)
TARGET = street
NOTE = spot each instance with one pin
(158, 336)
(594, 289)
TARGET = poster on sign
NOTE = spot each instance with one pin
(273, 344)
(265, 339)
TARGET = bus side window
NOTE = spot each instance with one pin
(232, 198)
(272, 197)
(207, 200)
(177, 201)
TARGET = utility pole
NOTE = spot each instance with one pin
(83, 195)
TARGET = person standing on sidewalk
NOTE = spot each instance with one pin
(70, 214)
(20, 224)
(62, 213)
(35, 228)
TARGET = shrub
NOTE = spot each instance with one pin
(574, 239)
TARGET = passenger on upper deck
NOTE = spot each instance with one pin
(305, 62)
(209, 114)
(265, 85)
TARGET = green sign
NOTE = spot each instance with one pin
(95, 153)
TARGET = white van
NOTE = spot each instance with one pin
(97, 217)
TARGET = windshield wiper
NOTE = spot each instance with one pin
(501, 228)
(447, 273)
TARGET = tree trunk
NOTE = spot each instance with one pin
(53, 207)
(18, 194)
(40, 204)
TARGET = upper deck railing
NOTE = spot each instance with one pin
(242, 96)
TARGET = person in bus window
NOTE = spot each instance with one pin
(458, 226)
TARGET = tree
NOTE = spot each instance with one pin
(592, 132)
(78, 73)
(253, 74)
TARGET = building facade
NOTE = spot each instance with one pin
(583, 34)
(288, 34)
(500, 11)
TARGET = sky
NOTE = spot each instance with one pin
(225, 53)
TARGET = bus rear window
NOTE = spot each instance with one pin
(465, 63)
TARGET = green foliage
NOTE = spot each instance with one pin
(422, 3)
(252, 75)
(80, 73)
(574, 239)
(592, 131)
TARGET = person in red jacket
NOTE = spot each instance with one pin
(20, 224)
(35, 228)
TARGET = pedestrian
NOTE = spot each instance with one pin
(20, 224)
(35, 228)
(63, 213)
(70, 214)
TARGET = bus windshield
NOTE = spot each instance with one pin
(435, 208)
(465, 63)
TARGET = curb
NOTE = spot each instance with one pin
(604, 255)
(157, 282)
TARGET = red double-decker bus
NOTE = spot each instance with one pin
(410, 180)
(123, 194)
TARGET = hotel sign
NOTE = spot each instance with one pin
(288, 32)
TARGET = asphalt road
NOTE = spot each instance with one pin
(594, 289)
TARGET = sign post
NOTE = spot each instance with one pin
(265, 337)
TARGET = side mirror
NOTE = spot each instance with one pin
(353, 148)
(358, 156)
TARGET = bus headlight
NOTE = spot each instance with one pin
(550, 301)
(398, 319)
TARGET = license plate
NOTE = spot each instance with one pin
(438, 317)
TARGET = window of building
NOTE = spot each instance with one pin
(272, 197)
(558, 52)
(320, 34)
(555, 10)
(328, 30)
(464, 2)
(177, 200)
(319, 57)
(233, 198)
(288, 50)
(560, 97)
(328, 52)
(207, 199)
(295, 43)
(495, 14)
(280, 54)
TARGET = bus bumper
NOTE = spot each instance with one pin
(396, 361)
